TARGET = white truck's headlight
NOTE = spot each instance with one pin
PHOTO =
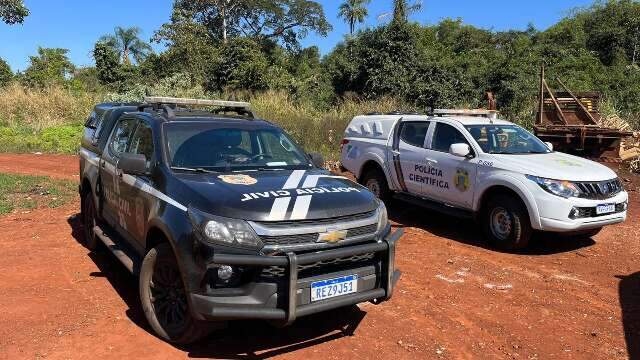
(224, 231)
(383, 218)
(562, 188)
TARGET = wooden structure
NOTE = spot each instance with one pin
(570, 121)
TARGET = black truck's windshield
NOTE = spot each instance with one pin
(506, 139)
(225, 148)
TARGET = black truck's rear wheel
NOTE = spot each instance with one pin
(164, 300)
(89, 221)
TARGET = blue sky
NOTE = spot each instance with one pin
(77, 24)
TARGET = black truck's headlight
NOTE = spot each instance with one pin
(383, 219)
(219, 230)
(562, 188)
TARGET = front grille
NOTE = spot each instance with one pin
(322, 267)
(600, 190)
(288, 240)
(590, 212)
(327, 221)
(363, 230)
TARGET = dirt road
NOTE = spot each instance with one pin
(456, 299)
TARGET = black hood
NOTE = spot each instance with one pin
(280, 195)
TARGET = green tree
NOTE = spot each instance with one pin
(127, 42)
(13, 11)
(285, 21)
(613, 30)
(354, 11)
(6, 75)
(241, 65)
(107, 63)
(402, 9)
(50, 66)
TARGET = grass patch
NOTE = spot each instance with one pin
(31, 192)
(51, 120)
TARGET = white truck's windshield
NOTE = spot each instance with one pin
(506, 139)
(224, 149)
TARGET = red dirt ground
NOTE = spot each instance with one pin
(576, 299)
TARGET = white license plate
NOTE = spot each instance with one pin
(326, 289)
(605, 209)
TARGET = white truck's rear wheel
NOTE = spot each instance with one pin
(506, 223)
(375, 181)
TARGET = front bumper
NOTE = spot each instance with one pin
(554, 211)
(264, 300)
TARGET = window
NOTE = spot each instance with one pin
(506, 139)
(142, 141)
(92, 120)
(121, 135)
(445, 136)
(220, 148)
(414, 133)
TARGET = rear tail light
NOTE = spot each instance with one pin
(343, 143)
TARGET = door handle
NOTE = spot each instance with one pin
(431, 161)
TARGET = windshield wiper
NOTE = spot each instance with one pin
(198, 170)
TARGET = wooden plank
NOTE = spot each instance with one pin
(555, 103)
(541, 105)
(580, 104)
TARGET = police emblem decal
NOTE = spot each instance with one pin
(461, 180)
(238, 179)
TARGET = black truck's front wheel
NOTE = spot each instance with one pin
(164, 300)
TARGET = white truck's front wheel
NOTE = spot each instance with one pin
(506, 223)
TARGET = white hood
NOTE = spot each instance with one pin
(558, 166)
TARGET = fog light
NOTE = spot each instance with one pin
(225, 272)
(574, 213)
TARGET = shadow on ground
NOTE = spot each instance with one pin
(466, 231)
(629, 291)
(242, 339)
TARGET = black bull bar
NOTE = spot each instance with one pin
(290, 261)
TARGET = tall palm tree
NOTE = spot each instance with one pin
(127, 42)
(402, 9)
(354, 11)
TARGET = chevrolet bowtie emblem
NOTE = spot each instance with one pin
(333, 237)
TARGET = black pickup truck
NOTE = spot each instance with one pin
(222, 217)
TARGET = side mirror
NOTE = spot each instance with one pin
(549, 145)
(133, 164)
(317, 160)
(460, 150)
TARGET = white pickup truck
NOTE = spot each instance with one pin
(472, 164)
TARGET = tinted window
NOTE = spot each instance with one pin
(92, 120)
(121, 136)
(142, 141)
(231, 148)
(414, 133)
(446, 135)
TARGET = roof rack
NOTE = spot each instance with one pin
(397, 112)
(489, 114)
(170, 105)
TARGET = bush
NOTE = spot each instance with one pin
(38, 109)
